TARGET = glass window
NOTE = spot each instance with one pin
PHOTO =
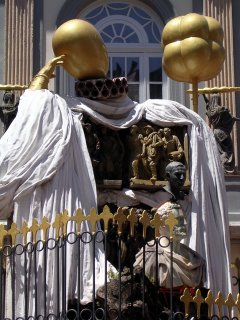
(155, 69)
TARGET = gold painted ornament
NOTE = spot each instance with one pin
(86, 54)
(192, 49)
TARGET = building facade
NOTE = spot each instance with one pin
(131, 31)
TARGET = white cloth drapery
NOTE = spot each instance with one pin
(45, 168)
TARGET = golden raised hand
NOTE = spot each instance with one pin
(41, 80)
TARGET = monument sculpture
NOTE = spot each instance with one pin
(54, 171)
(9, 108)
(222, 123)
(188, 265)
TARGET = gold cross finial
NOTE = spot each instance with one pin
(3, 233)
(132, 218)
(106, 216)
(13, 231)
(120, 218)
(79, 218)
(209, 301)
(156, 223)
(145, 221)
(238, 304)
(93, 217)
(171, 222)
(45, 226)
(34, 229)
(198, 300)
(220, 302)
(64, 219)
(230, 303)
(186, 298)
(24, 232)
(57, 225)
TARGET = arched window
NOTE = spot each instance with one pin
(132, 34)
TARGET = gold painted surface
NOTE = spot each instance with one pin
(13, 87)
(13, 232)
(156, 223)
(145, 221)
(121, 219)
(3, 233)
(106, 216)
(45, 225)
(238, 304)
(230, 303)
(171, 222)
(79, 218)
(24, 231)
(93, 217)
(209, 301)
(64, 219)
(220, 303)
(86, 54)
(57, 225)
(34, 229)
(216, 90)
(198, 300)
(133, 219)
(186, 298)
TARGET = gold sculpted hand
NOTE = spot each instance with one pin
(40, 81)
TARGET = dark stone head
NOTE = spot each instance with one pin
(176, 174)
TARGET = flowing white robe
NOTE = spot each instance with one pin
(45, 168)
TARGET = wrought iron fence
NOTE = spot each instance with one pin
(127, 294)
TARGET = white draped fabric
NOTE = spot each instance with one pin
(45, 168)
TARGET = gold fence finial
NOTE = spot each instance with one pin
(65, 218)
(25, 229)
(156, 223)
(79, 217)
(13, 232)
(186, 298)
(3, 233)
(220, 303)
(34, 229)
(198, 300)
(121, 219)
(238, 304)
(133, 219)
(230, 303)
(57, 225)
(145, 221)
(171, 222)
(209, 301)
(93, 218)
(106, 216)
(45, 226)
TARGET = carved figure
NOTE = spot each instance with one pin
(93, 143)
(222, 123)
(152, 144)
(188, 265)
(9, 109)
(134, 141)
(173, 146)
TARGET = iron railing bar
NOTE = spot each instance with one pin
(58, 279)
(171, 270)
(25, 283)
(64, 271)
(78, 275)
(35, 278)
(13, 283)
(105, 287)
(120, 275)
(94, 277)
(143, 278)
(45, 278)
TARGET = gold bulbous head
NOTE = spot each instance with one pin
(192, 48)
(86, 54)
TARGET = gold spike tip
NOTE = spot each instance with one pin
(198, 300)
(106, 216)
(145, 221)
(3, 233)
(209, 301)
(79, 218)
(13, 232)
(186, 298)
(24, 231)
(121, 219)
(57, 225)
(230, 303)
(133, 219)
(156, 223)
(64, 219)
(220, 303)
(93, 217)
(86, 54)
(34, 229)
(44, 227)
(171, 222)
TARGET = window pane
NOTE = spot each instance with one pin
(133, 69)
(133, 92)
(155, 91)
(118, 67)
(155, 69)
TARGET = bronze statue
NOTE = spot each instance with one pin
(174, 148)
(9, 109)
(222, 123)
